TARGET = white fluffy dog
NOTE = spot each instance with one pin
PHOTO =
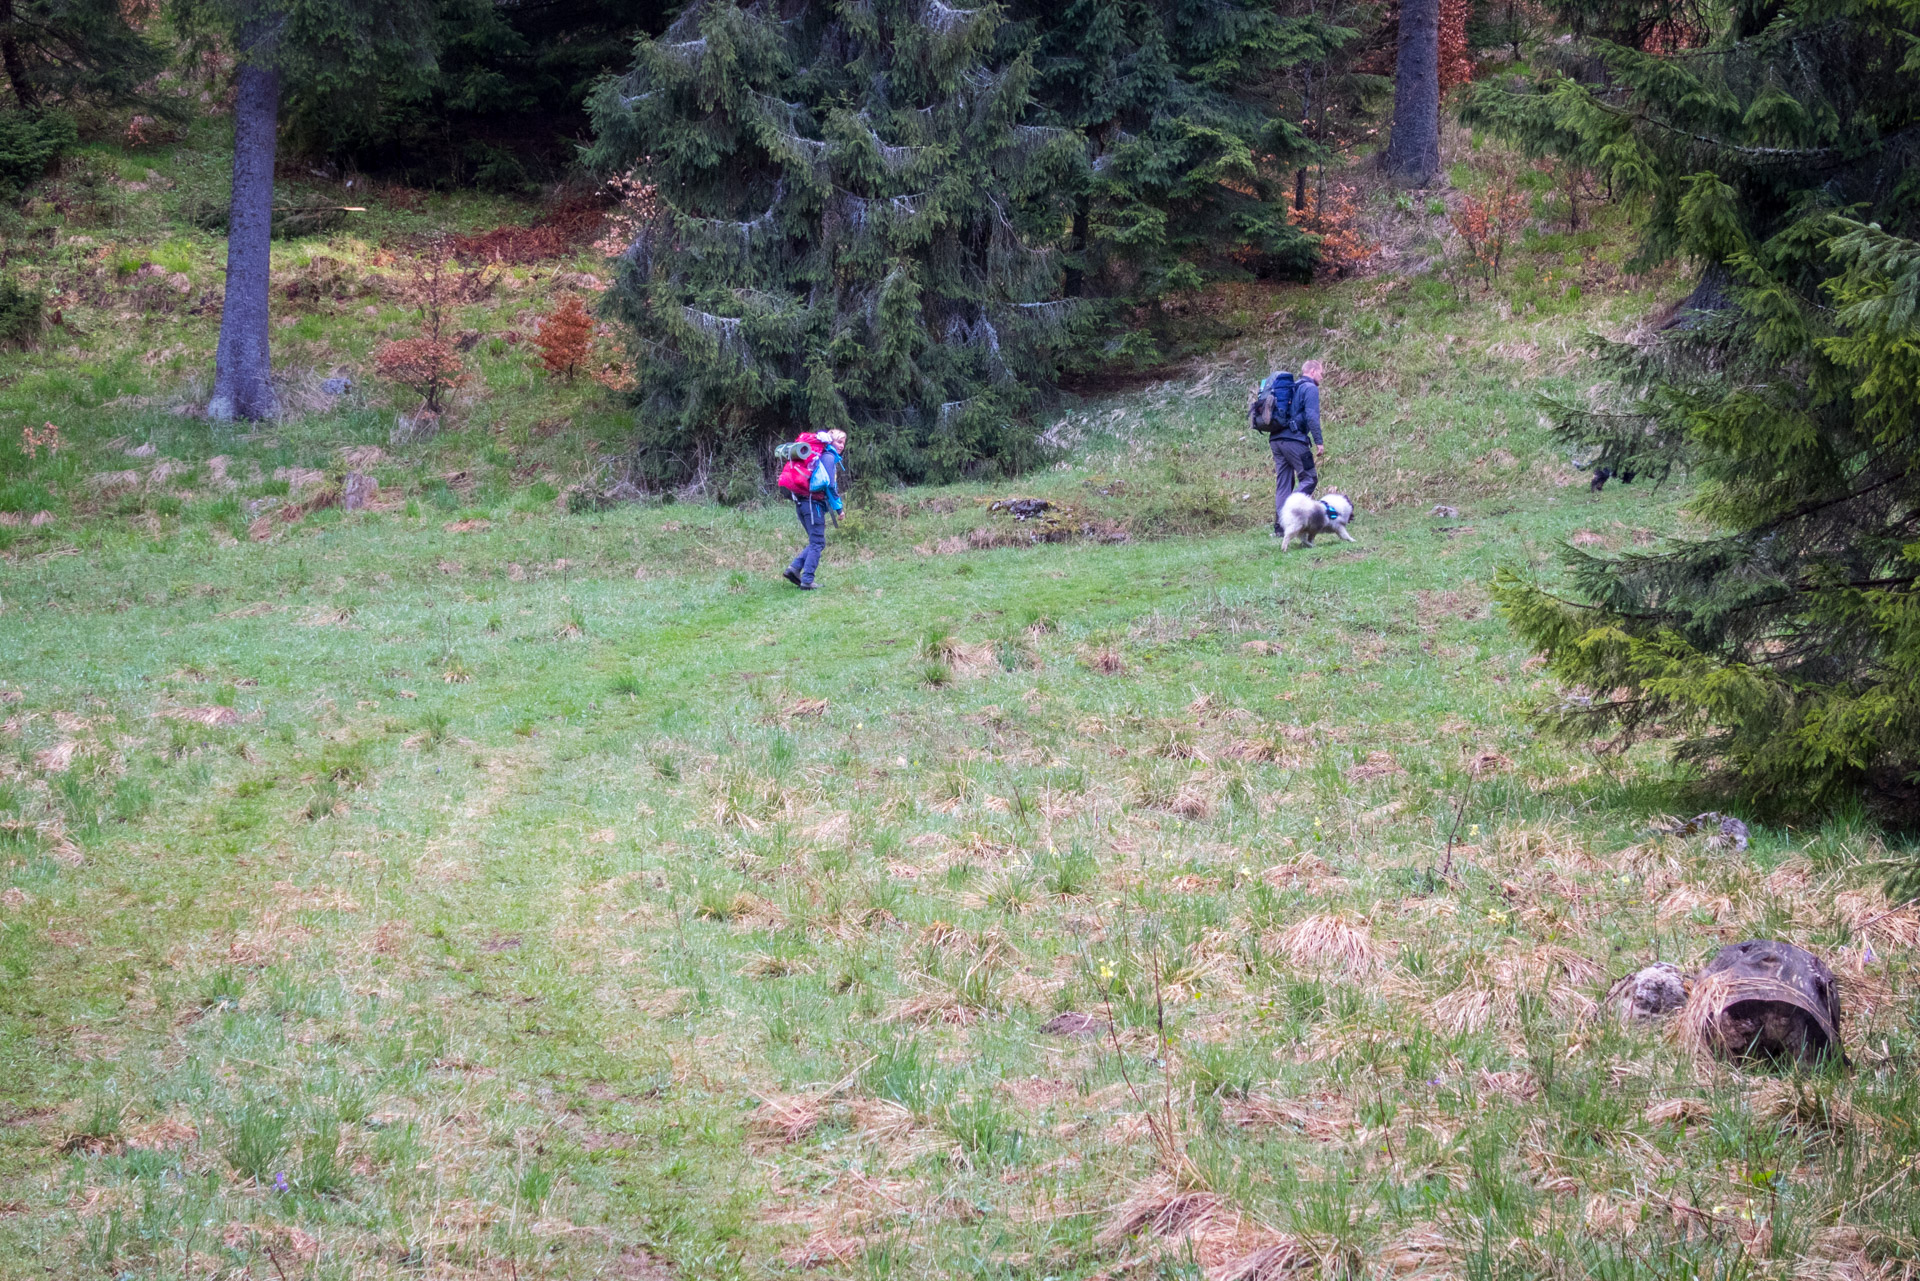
(1303, 515)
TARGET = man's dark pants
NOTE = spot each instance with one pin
(1292, 470)
(813, 519)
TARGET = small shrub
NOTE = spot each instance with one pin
(427, 366)
(1488, 226)
(30, 141)
(20, 312)
(565, 337)
(431, 363)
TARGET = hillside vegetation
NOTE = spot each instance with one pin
(493, 883)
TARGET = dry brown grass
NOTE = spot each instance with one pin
(1871, 918)
(1678, 1112)
(787, 1117)
(1161, 1208)
(1280, 1255)
(1378, 765)
(208, 716)
(1807, 1109)
(966, 661)
(1489, 993)
(1327, 941)
(1695, 1025)
(1324, 1118)
(797, 709)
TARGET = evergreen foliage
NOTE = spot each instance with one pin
(1191, 112)
(501, 106)
(853, 232)
(21, 310)
(30, 141)
(67, 50)
(1638, 24)
(1783, 649)
(331, 56)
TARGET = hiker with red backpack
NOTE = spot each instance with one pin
(1288, 410)
(812, 477)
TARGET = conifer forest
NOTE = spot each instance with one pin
(1109, 640)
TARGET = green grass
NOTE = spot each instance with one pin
(499, 968)
(465, 888)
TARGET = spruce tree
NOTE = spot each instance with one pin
(1412, 154)
(1191, 111)
(1783, 650)
(502, 105)
(63, 50)
(853, 232)
(304, 47)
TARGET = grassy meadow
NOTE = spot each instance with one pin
(467, 887)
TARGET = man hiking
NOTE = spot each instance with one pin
(1288, 410)
(812, 476)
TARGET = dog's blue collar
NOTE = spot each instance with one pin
(1331, 513)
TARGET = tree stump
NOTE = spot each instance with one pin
(1764, 999)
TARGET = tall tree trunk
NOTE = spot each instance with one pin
(241, 384)
(10, 55)
(1412, 157)
(1077, 247)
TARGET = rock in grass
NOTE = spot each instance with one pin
(358, 491)
(1764, 999)
(1728, 832)
(336, 386)
(1651, 993)
(1022, 508)
(586, 498)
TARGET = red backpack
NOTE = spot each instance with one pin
(797, 476)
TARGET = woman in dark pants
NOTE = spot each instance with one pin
(813, 511)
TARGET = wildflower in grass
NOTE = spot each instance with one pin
(280, 1181)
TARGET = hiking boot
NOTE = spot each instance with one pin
(806, 587)
(792, 575)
